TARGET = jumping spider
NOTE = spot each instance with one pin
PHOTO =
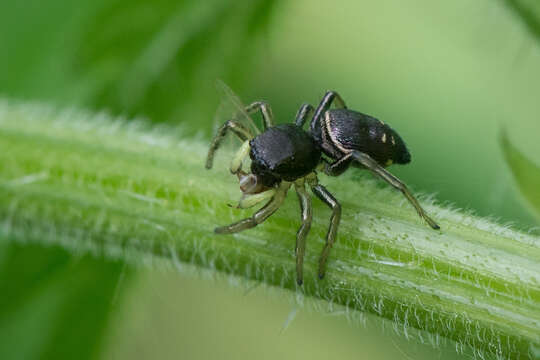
(285, 155)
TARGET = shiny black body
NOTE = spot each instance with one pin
(287, 152)
(283, 152)
(342, 130)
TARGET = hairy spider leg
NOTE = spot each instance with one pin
(376, 169)
(237, 128)
(305, 111)
(306, 216)
(260, 215)
(323, 194)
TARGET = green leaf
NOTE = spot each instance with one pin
(157, 59)
(525, 171)
(528, 11)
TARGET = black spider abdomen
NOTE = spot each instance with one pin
(283, 152)
(352, 130)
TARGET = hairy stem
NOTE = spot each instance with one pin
(137, 192)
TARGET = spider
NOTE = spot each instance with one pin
(286, 155)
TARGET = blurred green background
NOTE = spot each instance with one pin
(449, 76)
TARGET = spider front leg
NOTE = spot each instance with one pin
(323, 194)
(237, 128)
(261, 215)
(376, 169)
(238, 159)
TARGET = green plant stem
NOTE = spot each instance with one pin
(130, 190)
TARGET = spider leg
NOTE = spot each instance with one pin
(237, 128)
(238, 159)
(307, 215)
(303, 114)
(376, 169)
(326, 102)
(323, 194)
(251, 200)
(261, 215)
(266, 112)
(339, 166)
